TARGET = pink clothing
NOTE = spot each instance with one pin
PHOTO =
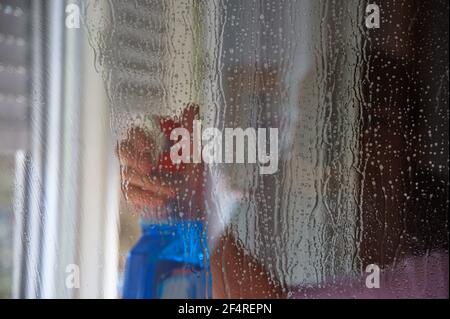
(412, 278)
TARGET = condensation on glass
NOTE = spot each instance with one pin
(362, 115)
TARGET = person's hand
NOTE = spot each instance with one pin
(149, 180)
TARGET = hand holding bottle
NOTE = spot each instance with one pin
(149, 179)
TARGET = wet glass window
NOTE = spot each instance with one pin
(223, 149)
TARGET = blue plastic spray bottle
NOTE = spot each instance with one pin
(170, 260)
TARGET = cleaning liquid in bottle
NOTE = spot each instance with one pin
(170, 260)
